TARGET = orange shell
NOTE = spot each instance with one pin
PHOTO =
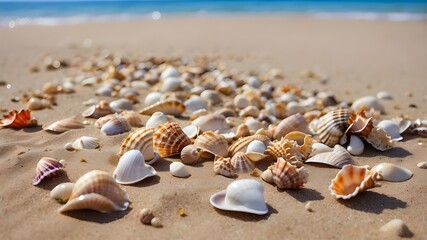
(169, 139)
(18, 120)
(287, 176)
(359, 124)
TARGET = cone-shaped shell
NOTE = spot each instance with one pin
(337, 158)
(132, 168)
(241, 163)
(99, 110)
(18, 120)
(46, 167)
(169, 139)
(190, 154)
(115, 126)
(213, 143)
(379, 139)
(359, 124)
(352, 180)
(97, 190)
(211, 122)
(331, 127)
(393, 173)
(142, 140)
(223, 166)
(241, 145)
(168, 107)
(295, 122)
(287, 176)
(63, 125)
(86, 143)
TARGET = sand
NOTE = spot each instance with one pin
(361, 58)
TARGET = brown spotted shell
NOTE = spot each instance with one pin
(287, 176)
(223, 166)
(169, 139)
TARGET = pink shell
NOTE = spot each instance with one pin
(45, 168)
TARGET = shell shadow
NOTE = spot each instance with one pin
(162, 165)
(50, 183)
(304, 194)
(33, 129)
(373, 202)
(94, 216)
(248, 217)
(147, 182)
(395, 152)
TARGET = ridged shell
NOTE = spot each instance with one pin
(46, 167)
(287, 176)
(142, 140)
(103, 120)
(178, 169)
(379, 139)
(393, 173)
(99, 110)
(18, 120)
(352, 180)
(241, 144)
(132, 168)
(241, 163)
(211, 122)
(331, 127)
(63, 125)
(168, 107)
(292, 123)
(97, 190)
(169, 139)
(359, 124)
(290, 150)
(86, 143)
(337, 158)
(133, 118)
(213, 143)
(190, 155)
(223, 166)
(115, 126)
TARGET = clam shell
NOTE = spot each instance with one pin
(211, 97)
(168, 107)
(352, 180)
(241, 145)
(320, 148)
(103, 120)
(116, 125)
(152, 98)
(367, 103)
(338, 158)
(223, 166)
(211, 122)
(156, 119)
(391, 172)
(190, 154)
(98, 191)
(286, 176)
(295, 122)
(212, 143)
(132, 168)
(17, 120)
(37, 104)
(404, 124)
(99, 110)
(194, 103)
(86, 143)
(191, 131)
(255, 151)
(63, 125)
(178, 169)
(170, 71)
(422, 131)
(132, 117)
(142, 140)
(241, 163)
(331, 127)
(46, 167)
(391, 128)
(267, 176)
(169, 139)
(121, 105)
(62, 192)
(355, 146)
(379, 139)
(170, 84)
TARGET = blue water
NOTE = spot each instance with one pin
(68, 12)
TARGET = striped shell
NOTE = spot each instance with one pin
(338, 158)
(331, 127)
(97, 190)
(46, 167)
(86, 143)
(292, 123)
(63, 125)
(211, 122)
(287, 176)
(169, 139)
(242, 144)
(190, 154)
(241, 163)
(168, 107)
(116, 125)
(142, 140)
(103, 120)
(213, 143)
(99, 110)
(352, 180)
(15, 119)
(359, 124)
(223, 166)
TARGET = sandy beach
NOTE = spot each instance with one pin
(360, 58)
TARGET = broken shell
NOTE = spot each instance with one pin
(391, 128)
(121, 105)
(116, 125)
(367, 103)
(352, 180)
(320, 148)
(132, 168)
(145, 216)
(152, 98)
(331, 127)
(62, 192)
(246, 195)
(295, 122)
(290, 150)
(168, 107)
(191, 131)
(211, 122)
(156, 119)
(241, 163)
(355, 146)
(17, 120)
(63, 125)
(46, 167)
(287, 176)
(267, 176)
(169, 139)
(241, 145)
(223, 166)
(99, 110)
(178, 169)
(212, 143)
(194, 103)
(86, 143)
(98, 191)
(190, 155)
(338, 158)
(379, 139)
(392, 173)
(142, 140)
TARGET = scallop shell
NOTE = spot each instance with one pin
(142, 140)
(295, 122)
(86, 143)
(116, 125)
(287, 176)
(63, 125)
(338, 158)
(169, 139)
(359, 124)
(99, 110)
(121, 105)
(46, 167)
(152, 98)
(391, 128)
(168, 107)
(62, 192)
(190, 154)
(331, 127)
(132, 117)
(212, 143)
(379, 139)
(211, 122)
(391, 172)
(352, 180)
(132, 168)
(97, 190)
(355, 146)
(178, 169)
(242, 144)
(367, 103)
(241, 163)
(223, 166)
(21, 119)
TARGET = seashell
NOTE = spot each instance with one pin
(276, 109)
(50, 88)
(168, 107)
(396, 228)
(46, 167)
(391, 128)
(67, 87)
(286, 176)
(384, 95)
(320, 148)
(103, 120)
(62, 192)
(391, 172)
(69, 147)
(359, 124)
(290, 150)
(212, 143)
(294, 108)
(115, 126)
(152, 98)
(17, 120)
(379, 139)
(331, 127)
(191, 131)
(352, 180)
(404, 124)
(338, 158)
(356, 146)
(142, 140)
(132, 117)
(178, 169)
(145, 216)
(37, 104)
(112, 72)
(246, 195)
(169, 139)
(155, 222)
(241, 163)
(194, 103)
(105, 91)
(367, 103)
(242, 131)
(240, 102)
(267, 176)
(294, 122)
(422, 165)
(170, 84)
(197, 90)
(170, 71)
(128, 91)
(211, 122)
(253, 124)
(156, 119)
(223, 166)
(288, 97)
(98, 191)
(211, 97)
(121, 105)
(254, 82)
(132, 168)
(255, 151)
(226, 87)
(63, 125)
(99, 110)
(241, 145)
(90, 81)
(90, 102)
(226, 112)
(86, 143)
(190, 155)
(198, 113)
(422, 131)
(311, 115)
(249, 111)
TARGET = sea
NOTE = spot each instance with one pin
(58, 12)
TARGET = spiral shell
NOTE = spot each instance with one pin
(169, 139)
(286, 176)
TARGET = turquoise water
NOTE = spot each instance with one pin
(69, 12)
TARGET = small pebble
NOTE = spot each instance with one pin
(422, 165)
(308, 207)
(155, 222)
(396, 227)
(69, 147)
(145, 216)
(62, 161)
(82, 159)
(181, 212)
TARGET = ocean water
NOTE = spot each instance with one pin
(57, 12)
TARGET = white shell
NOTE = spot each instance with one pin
(288, 97)
(86, 143)
(120, 105)
(356, 145)
(294, 108)
(254, 82)
(156, 119)
(391, 128)
(422, 165)
(367, 103)
(253, 124)
(170, 84)
(105, 91)
(194, 103)
(69, 147)
(62, 192)
(246, 195)
(240, 101)
(115, 126)
(191, 131)
(169, 72)
(392, 173)
(152, 98)
(132, 168)
(197, 90)
(338, 158)
(128, 91)
(178, 169)
(211, 96)
(395, 228)
(320, 148)
(267, 176)
(384, 95)
(256, 146)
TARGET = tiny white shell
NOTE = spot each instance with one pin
(366, 103)
(121, 105)
(69, 147)
(105, 91)
(86, 143)
(62, 192)
(288, 97)
(194, 103)
(392, 173)
(356, 145)
(170, 84)
(156, 119)
(178, 169)
(152, 98)
(256, 146)
(254, 82)
(384, 95)
(391, 128)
